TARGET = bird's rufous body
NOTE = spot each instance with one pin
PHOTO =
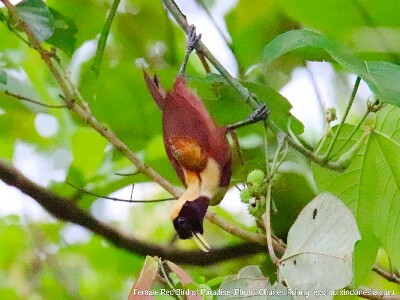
(197, 149)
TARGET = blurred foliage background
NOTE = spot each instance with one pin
(42, 258)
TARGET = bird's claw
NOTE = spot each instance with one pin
(193, 38)
(261, 113)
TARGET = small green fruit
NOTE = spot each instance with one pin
(245, 195)
(255, 177)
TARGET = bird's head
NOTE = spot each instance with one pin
(189, 221)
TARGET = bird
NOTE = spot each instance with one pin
(197, 148)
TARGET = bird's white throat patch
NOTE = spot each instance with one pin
(206, 183)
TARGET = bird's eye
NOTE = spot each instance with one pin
(181, 221)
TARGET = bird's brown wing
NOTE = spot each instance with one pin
(190, 134)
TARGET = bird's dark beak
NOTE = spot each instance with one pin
(200, 241)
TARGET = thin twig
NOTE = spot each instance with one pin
(118, 199)
(388, 276)
(266, 150)
(268, 229)
(352, 133)
(23, 98)
(316, 90)
(327, 129)
(127, 174)
(349, 105)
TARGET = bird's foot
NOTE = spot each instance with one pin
(261, 113)
(193, 38)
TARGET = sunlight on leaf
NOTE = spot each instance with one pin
(38, 18)
(319, 249)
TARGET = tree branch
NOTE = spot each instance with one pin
(68, 211)
(180, 18)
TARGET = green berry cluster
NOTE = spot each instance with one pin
(254, 194)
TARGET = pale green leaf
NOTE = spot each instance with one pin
(88, 151)
(38, 18)
(319, 249)
(3, 78)
(250, 283)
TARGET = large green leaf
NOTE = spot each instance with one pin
(319, 251)
(371, 188)
(38, 18)
(293, 187)
(87, 151)
(367, 26)
(64, 32)
(251, 26)
(381, 77)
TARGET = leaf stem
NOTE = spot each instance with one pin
(349, 105)
(168, 281)
(306, 152)
(267, 167)
(352, 133)
(268, 230)
(101, 45)
(327, 128)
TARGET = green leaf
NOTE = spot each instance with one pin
(381, 77)
(293, 188)
(367, 26)
(38, 18)
(371, 188)
(3, 79)
(88, 151)
(229, 100)
(64, 33)
(250, 283)
(320, 246)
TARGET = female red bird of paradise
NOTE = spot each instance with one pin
(197, 149)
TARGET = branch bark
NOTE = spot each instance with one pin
(68, 211)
